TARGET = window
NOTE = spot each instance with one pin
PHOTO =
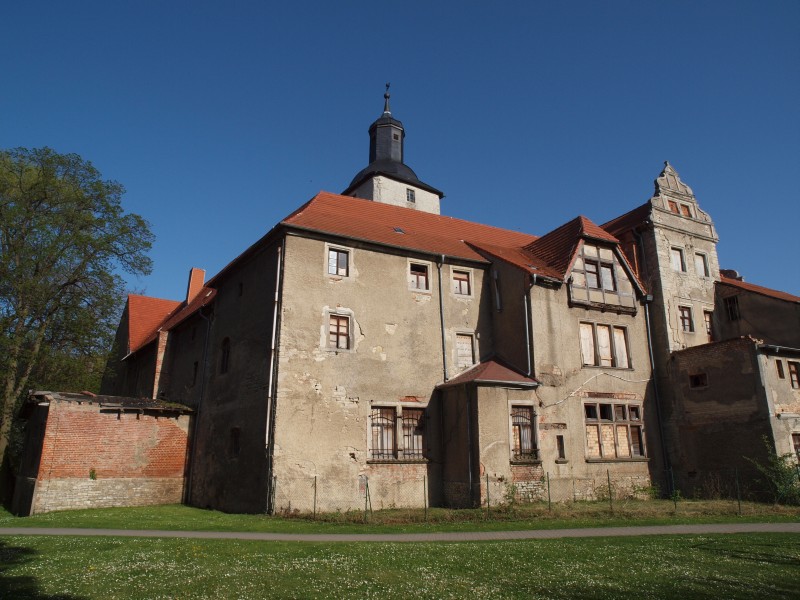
(796, 444)
(339, 332)
(235, 445)
(560, 448)
(685, 314)
(794, 373)
(225, 357)
(523, 431)
(732, 308)
(465, 350)
(698, 380)
(614, 431)
(383, 431)
(418, 277)
(685, 210)
(708, 317)
(779, 365)
(600, 275)
(461, 283)
(604, 346)
(676, 259)
(338, 262)
(410, 195)
(673, 207)
(701, 264)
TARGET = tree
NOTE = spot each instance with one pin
(64, 239)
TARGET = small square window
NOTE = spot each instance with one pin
(418, 277)
(687, 322)
(339, 332)
(411, 195)
(698, 380)
(461, 283)
(591, 412)
(676, 259)
(338, 262)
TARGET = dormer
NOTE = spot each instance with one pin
(387, 178)
(600, 278)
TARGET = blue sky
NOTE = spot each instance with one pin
(220, 118)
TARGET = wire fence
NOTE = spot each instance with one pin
(419, 493)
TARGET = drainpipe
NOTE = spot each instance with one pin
(441, 319)
(272, 385)
(196, 419)
(527, 301)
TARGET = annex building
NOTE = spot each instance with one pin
(368, 345)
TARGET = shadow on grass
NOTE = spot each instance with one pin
(761, 553)
(22, 587)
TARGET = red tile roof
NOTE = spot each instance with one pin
(751, 287)
(629, 220)
(145, 314)
(520, 258)
(203, 297)
(418, 230)
(492, 371)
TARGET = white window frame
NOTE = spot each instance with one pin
(337, 248)
(470, 281)
(428, 270)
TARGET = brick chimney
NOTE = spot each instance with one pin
(197, 277)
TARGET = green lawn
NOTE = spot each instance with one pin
(536, 516)
(743, 566)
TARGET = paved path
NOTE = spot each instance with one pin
(460, 536)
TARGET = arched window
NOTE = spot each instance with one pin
(225, 358)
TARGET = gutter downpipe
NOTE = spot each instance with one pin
(439, 264)
(657, 398)
(196, 419)
(528, 322)
(269, 441)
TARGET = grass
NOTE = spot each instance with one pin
(531, 516)
(742, 566)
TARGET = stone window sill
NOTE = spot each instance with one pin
(618, 460)
(395, 461)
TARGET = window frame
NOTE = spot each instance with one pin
(708, 320)
(607, 414)
(348, 335)
(523, 434)
(779, 367)
(397, 433)
(330, 249)
(794, 373)
(473, 339)
(413, 278)
(732, 310)
(469, 273)
(676, 251)
(613, 343)
(706, 271)
(686, 318)
(411, 196)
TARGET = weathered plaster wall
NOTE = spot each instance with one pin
(783, 400)
(389, 191)
(395, 359)
(769, 319)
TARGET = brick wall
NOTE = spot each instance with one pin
(93, 456)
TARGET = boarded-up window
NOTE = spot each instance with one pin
(592, 441)
(465, 349)
(592, 274)
(616, 434)
(676, 259)
(620, 348)
(701, 264)
(607, 276)
(587, 344)
(604, 345)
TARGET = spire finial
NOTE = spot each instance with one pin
(386, 100)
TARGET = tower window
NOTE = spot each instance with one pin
(410, 195)
(396, 137)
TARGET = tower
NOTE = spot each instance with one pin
(387, 178)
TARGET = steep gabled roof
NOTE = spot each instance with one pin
(184, 311)
(757, 289)
(399, 227)
(145, 314)
(492, 371)
(629, 220)
(519, 258)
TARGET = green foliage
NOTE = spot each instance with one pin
(64, 239)
(781, 474)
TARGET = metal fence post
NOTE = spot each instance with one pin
(610, 494)
(366, 496)
(315, 497)
(738, 491)
(549, 504)
(425, 495)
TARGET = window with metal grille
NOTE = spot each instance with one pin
(413, 432)
(461, 283)
(338, 262)
(614, 431)
(732, 308)
(339, 332)
(687, 322)
(382, 433)
(418, 276)
(523, 431)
